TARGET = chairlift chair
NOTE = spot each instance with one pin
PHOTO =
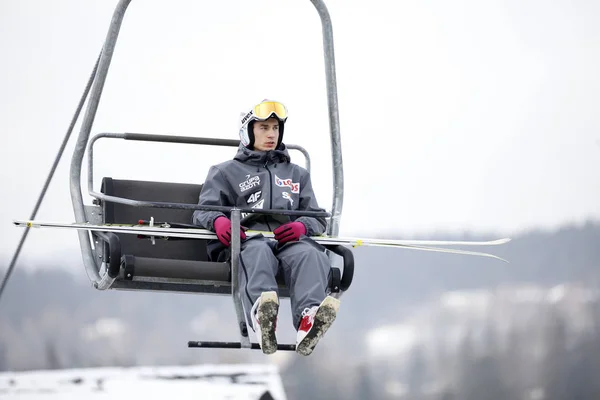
(126, 262)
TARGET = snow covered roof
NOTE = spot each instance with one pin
(232, 382)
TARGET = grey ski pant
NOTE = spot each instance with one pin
(304, 265)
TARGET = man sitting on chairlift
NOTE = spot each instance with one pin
(262, 176)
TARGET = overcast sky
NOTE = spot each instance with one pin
(469, 115)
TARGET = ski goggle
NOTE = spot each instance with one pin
(265, 110)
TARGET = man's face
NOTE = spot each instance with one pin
(266, 134)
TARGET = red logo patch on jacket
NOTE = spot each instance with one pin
(294, 186)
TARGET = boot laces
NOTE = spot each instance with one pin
(310, 312)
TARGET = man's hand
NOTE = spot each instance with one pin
(223, 230)
(289, 232)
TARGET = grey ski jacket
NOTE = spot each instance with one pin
(260, 180)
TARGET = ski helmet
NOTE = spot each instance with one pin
(261, 112)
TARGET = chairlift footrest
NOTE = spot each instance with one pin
(235, 345)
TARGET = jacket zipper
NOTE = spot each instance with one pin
(270, 195)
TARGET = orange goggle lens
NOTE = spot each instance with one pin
(267, 108)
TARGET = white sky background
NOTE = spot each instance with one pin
(466, 116)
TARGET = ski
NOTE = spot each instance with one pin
(164, 230)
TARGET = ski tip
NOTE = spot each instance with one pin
(29, 224)
(502, 259)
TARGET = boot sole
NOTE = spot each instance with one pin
(324, 317)
(267, 318)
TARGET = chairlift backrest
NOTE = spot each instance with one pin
(160, 192)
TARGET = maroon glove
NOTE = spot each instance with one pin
(223, 230)
(289, 232)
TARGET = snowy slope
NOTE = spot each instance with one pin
(232, 382)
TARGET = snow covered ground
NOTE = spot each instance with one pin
(233, 382)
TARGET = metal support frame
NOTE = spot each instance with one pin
(99, 282)
(235, 277)
(91, 263)
(334, 119)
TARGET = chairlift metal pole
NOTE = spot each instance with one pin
(334, 120)
(235, 277)
(100, 282)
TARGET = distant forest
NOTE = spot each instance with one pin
(52, 318)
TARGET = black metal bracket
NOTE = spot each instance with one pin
(236, 345)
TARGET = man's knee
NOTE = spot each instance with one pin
(304, 245)
(301, 250)
(257, 248)
(255, 244)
